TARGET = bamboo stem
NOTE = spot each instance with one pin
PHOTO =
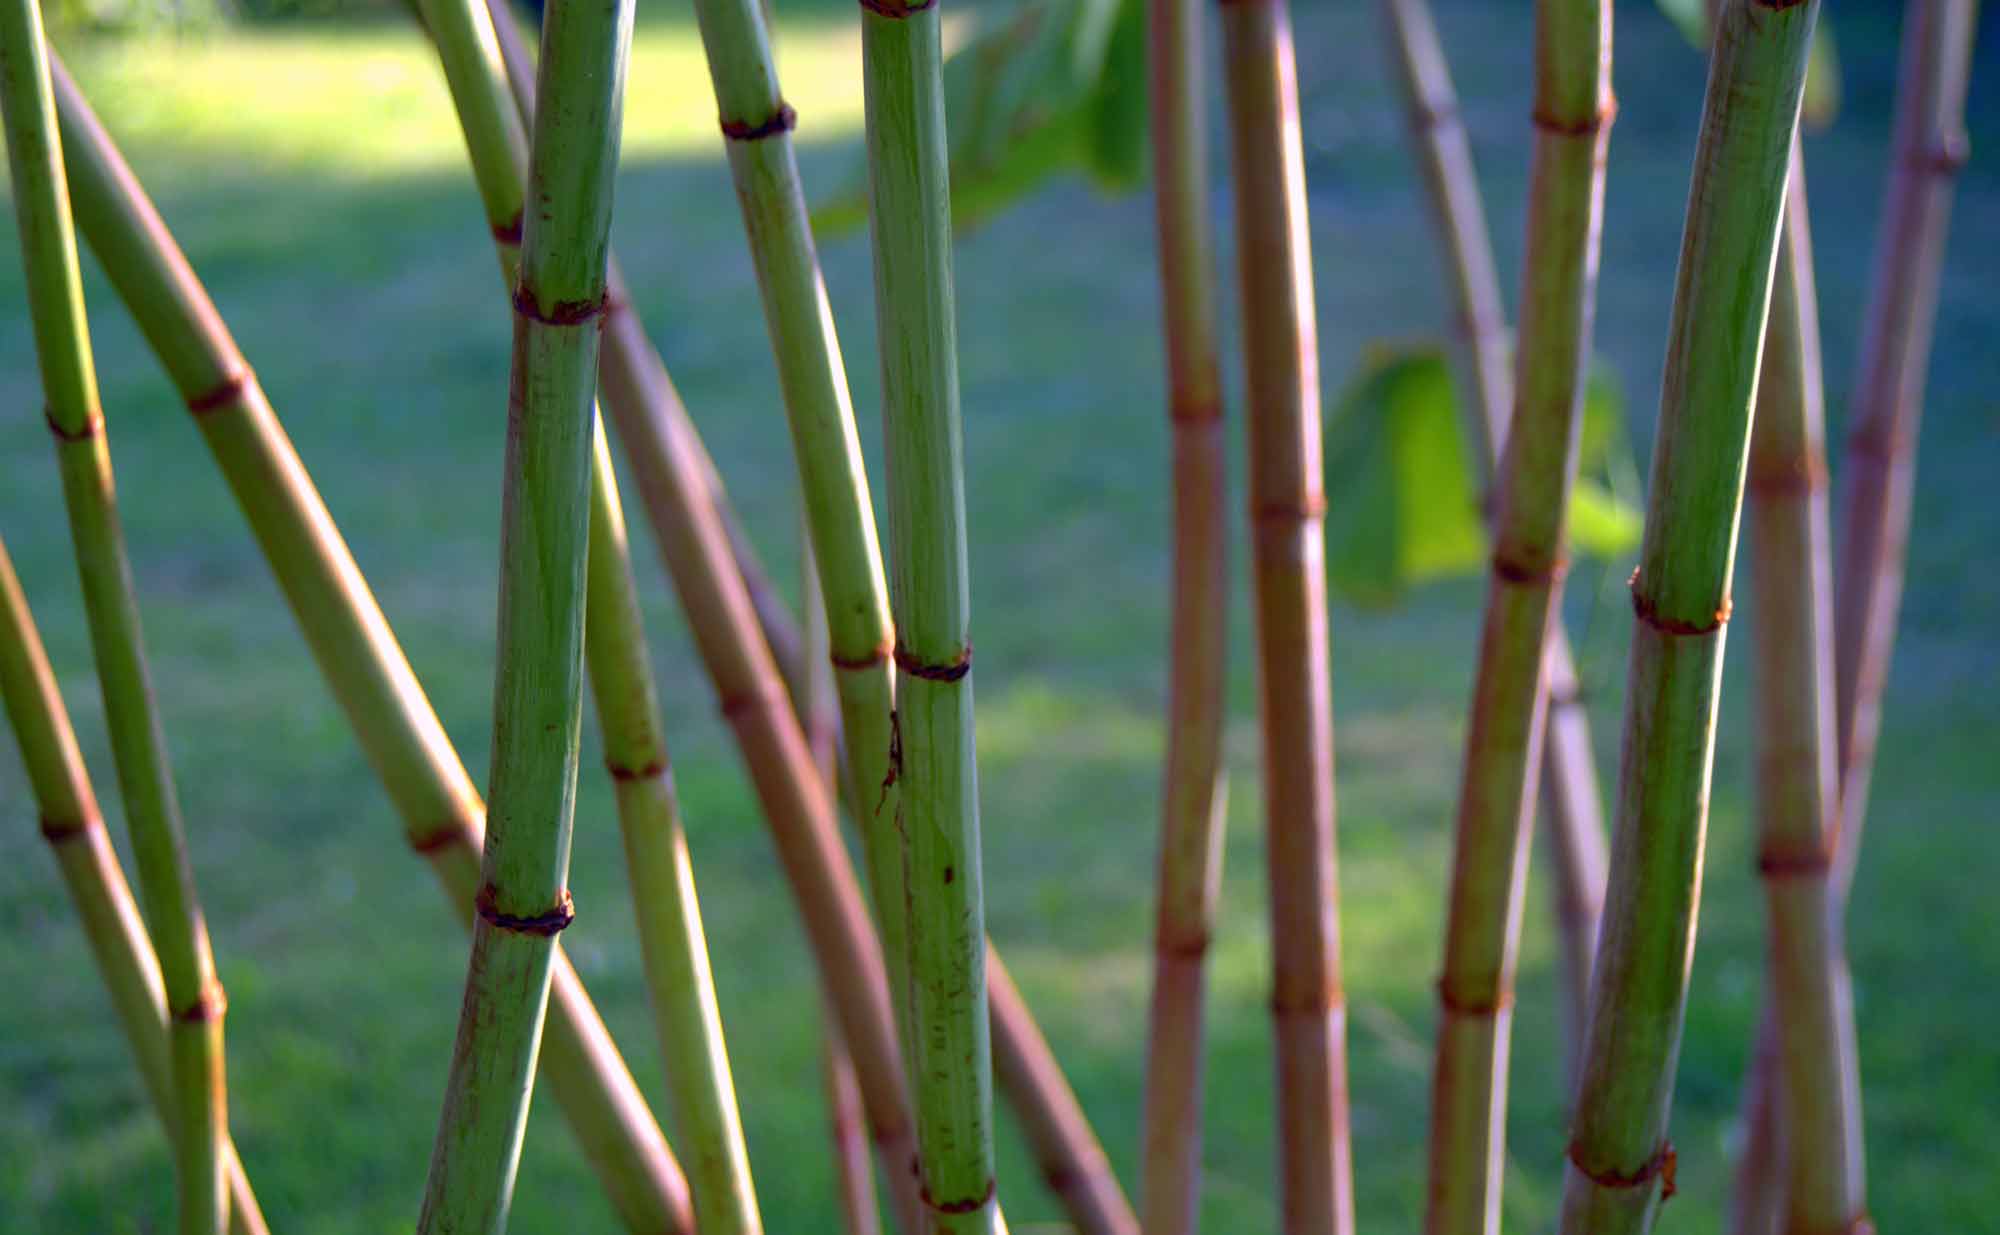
(1571, 802)
(673, 475)
(701, 1091)
(932, 755)
(74, 829)
(1194, 792)
(1287, 505)
(194, 999)
(351, 640)
(524, 899)
(1879, 486)
(1797, 784)
(1573, 111)
(1620, 1160)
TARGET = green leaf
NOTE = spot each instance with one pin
(1118, 151)
(1822, 97)
(1692, 18)
(1403, 509)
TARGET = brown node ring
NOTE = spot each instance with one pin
(622, 774)
(1285, 514)
(1511, 571)
(437, 842)
(1661, 1164)
(221, 395)
(1795, 479)
(969, 1206)
(1502, 1001)
(1330, 1000)
(894, 11)
(509, 232)
(867, 660)
(561, 313)
(63, 831)
(784, 120)
(546, 924)
(1643, 609)
(93, 426)
(1596, 122)
(207, 1007)
(736, 707)
(1794, 865)
(957, 668)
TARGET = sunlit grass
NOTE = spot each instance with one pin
(369, 102)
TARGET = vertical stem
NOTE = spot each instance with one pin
(1620, 1160)
(1194, 793)
(674, 477)
(931, 756)
(1880, 478)
(1797, 785)
(194, 999)
(357, 653)
(701, 1093)
(1572, 116)
(74, 829)
(1287, 510)
(1572, 807)
(524, 900)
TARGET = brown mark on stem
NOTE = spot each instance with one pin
(221, 395)
(1661, 1164)
(1800, 477)
(622, 774)
(1329, 1000)
(784, 120)
(207, 1006)
(62, 831)
(950, 671)
(437, 842)
(971, 1205)
(1794, 865)
(1526, 575)
(1285, 514)
(895, 761)
(509, 233)
(561, 313)
(895, 11)
(1563, 126)
(867, 660)
(1645, 612)
(93, 426)
(546, 924)
(1943, 161)
(1453, 1005)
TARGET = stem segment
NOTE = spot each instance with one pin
(1194, 794)
(1620, 1161)
(1573, 110)
(931, 754)
(544, 549)
(104, 906)
(1287, 510)
(194, 999)
(349, 637)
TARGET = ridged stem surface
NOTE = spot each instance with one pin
(194, 998)
(1797, 785)
(1569, 795)
(931, 756)
(1572, 115)
(524, 900)
(1288, 563)
(1620, 1161)
(350, 639)
(1193, 794)
(75, 831)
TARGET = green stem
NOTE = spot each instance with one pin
(932, 754)
(1287, 504)
(702, 1094)
(72, 826)
(351, 640)
(1195, 792)
(1879, 485)
(1572, 805)
(1573, 110)
(1620, 1159)
(194, 998)
(674, 477)
(544, 549)
(1797, 785)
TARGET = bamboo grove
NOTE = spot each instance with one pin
(862, 704)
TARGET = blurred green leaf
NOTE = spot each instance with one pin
(1402, 507)
(1692, 18)
(1119, 153)
(1822, 97)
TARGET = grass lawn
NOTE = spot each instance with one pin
(316, 179)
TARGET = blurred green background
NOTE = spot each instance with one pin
(313, 171)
